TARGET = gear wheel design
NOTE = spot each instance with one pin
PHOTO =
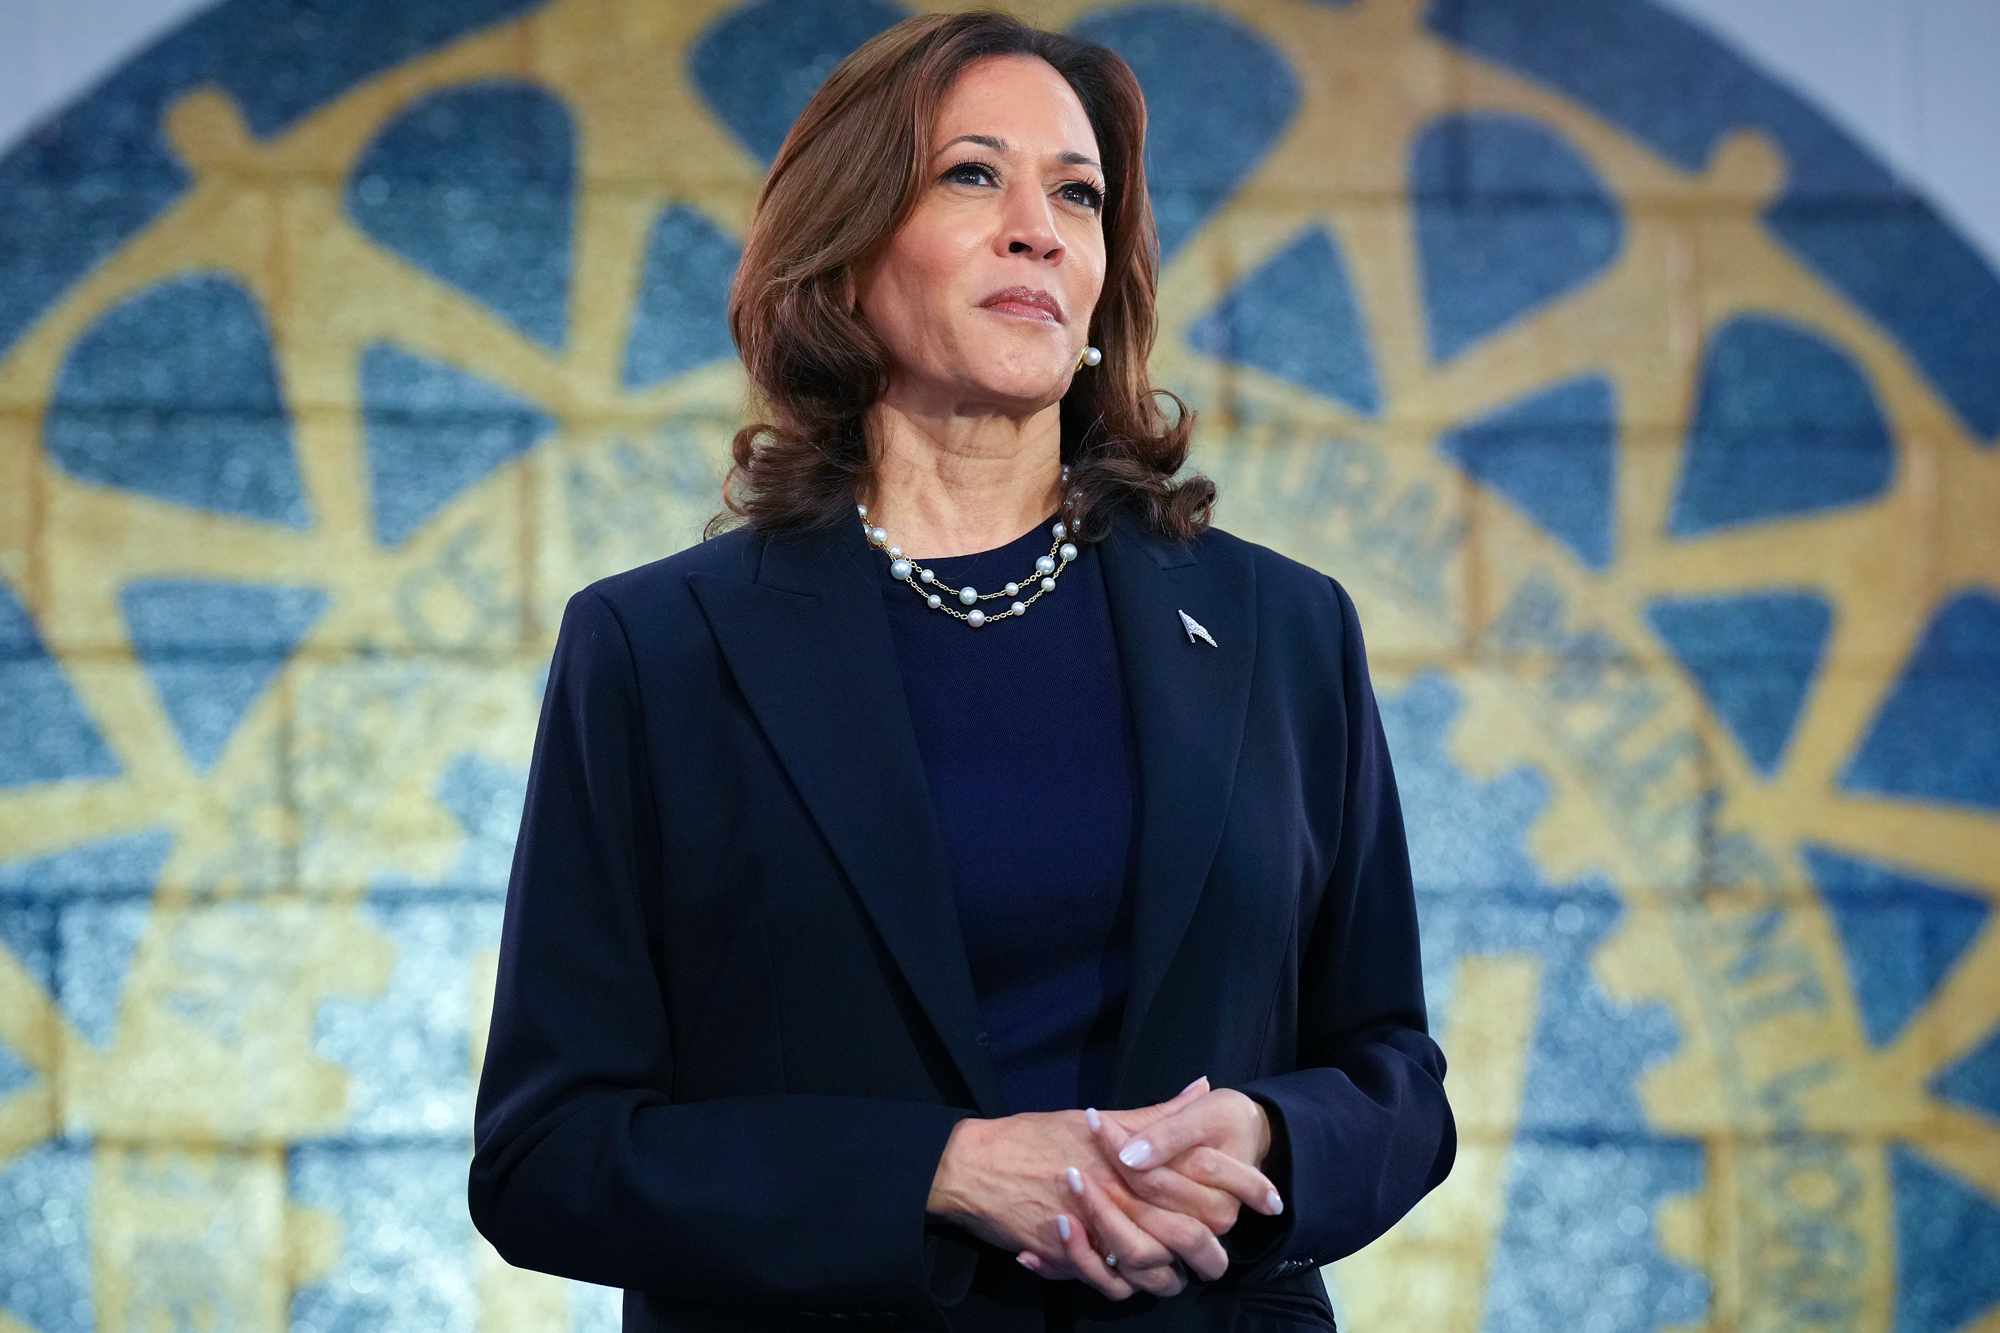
(1646, 945)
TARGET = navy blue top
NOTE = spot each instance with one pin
(1032, 766)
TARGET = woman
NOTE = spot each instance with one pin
(852, 882)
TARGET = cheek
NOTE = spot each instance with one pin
(921, 281)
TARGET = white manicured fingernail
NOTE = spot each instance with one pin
(1135, 1153)
(1075, 1179)
(1062, 1225)
(1191, 1082)
(1096, 1120)
(1277, 1205)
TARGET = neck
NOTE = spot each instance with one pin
(952, 484)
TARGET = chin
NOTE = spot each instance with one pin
(1031, 390)
(1029, 381)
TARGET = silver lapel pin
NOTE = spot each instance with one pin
(1194, 627)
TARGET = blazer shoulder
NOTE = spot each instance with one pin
(643, 592)
(1283, 582)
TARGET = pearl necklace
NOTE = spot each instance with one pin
(1046, 569)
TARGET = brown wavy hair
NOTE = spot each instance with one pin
(848, 174)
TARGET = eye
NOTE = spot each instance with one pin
(1092, 197)
(953, 174)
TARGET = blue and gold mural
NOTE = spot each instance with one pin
(1652, 423)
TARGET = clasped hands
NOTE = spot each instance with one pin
(1065, 1188)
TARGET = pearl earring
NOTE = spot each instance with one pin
(1091, 356)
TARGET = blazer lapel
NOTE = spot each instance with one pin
(808, 641)
(1187, 700)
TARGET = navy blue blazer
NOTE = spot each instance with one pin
(734, 1023)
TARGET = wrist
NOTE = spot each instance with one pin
(1263, 1131)
(949, 1200)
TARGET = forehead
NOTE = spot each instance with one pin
(1017, 98)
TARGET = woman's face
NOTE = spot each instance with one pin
(1021, 212)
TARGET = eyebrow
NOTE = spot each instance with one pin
(1070, 157)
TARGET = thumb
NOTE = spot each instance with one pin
(1146, 1115)
(1163, 1139)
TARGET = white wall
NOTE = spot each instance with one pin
(1917, 81)
(51, 50)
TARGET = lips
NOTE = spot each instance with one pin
(1028, 302)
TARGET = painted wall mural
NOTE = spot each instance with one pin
(1651, 422)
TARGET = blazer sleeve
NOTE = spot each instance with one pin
(583, 1166)
(1361, 1130)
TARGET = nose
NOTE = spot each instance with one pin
(1027, 226)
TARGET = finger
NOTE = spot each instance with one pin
(1168, 1187)
(1138, 1117)
(1186, 1237)
(1192, 1243)
(1192, 1092)
(1087, 1262)
(1142, 1259)
(1144, 1115)
(1048, 1266)
(1169, 1137)
(1226, 1171)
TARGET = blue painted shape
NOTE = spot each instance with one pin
(45, 734)
(1754, 658)
(15, 1073)
(1974, 1078)
(485, 799)
(1506, 157)
(1573, 1188)
(1947, 1246)
(474, 185)
(595, 1309)
(89, 177)
(759, 65)
(1785, 424)
(1672, 86)
(206, 700)
(404, 1235)
(1919, 279)
(1295, 317)
(28, 937)
(45, 1269)
(211, 648)
(1208, 131)
(1487, 263)
(1481, 892)
(125, 863)
(1554, 455)
(173, 393)
(423, 1082)
(1937, 738)
(53, 232)
(96, 939)
(1179, 212)
(679, 321)
(416, 467)
(1901, 933)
